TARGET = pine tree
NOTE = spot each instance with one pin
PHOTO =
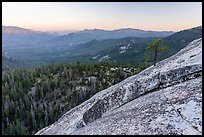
(156, 47)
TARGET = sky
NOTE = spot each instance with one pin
(61, 16)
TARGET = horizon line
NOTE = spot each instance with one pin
(78, 30)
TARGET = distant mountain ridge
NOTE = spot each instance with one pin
(17, 30)
(99, 34)
(87, 46)
(17, 36)
(131, 49)
(123, 30)
(13, 36)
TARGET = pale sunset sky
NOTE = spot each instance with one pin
(58, 16)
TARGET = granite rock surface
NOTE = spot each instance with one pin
(162, 99)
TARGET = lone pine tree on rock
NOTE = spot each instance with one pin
(155, 47)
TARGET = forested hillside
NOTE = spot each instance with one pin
(35, 98)
(180, 39)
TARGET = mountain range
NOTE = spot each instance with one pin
(98, 34)
(16, 37)
(90, 45)
(130, 49)
(17, 33)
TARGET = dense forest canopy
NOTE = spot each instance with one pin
(35, 98)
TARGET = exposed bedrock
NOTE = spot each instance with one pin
(172, 72)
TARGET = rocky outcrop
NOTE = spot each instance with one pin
(162, 99)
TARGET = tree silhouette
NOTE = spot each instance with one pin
(155, 47)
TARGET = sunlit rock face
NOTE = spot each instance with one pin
(162, 99)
